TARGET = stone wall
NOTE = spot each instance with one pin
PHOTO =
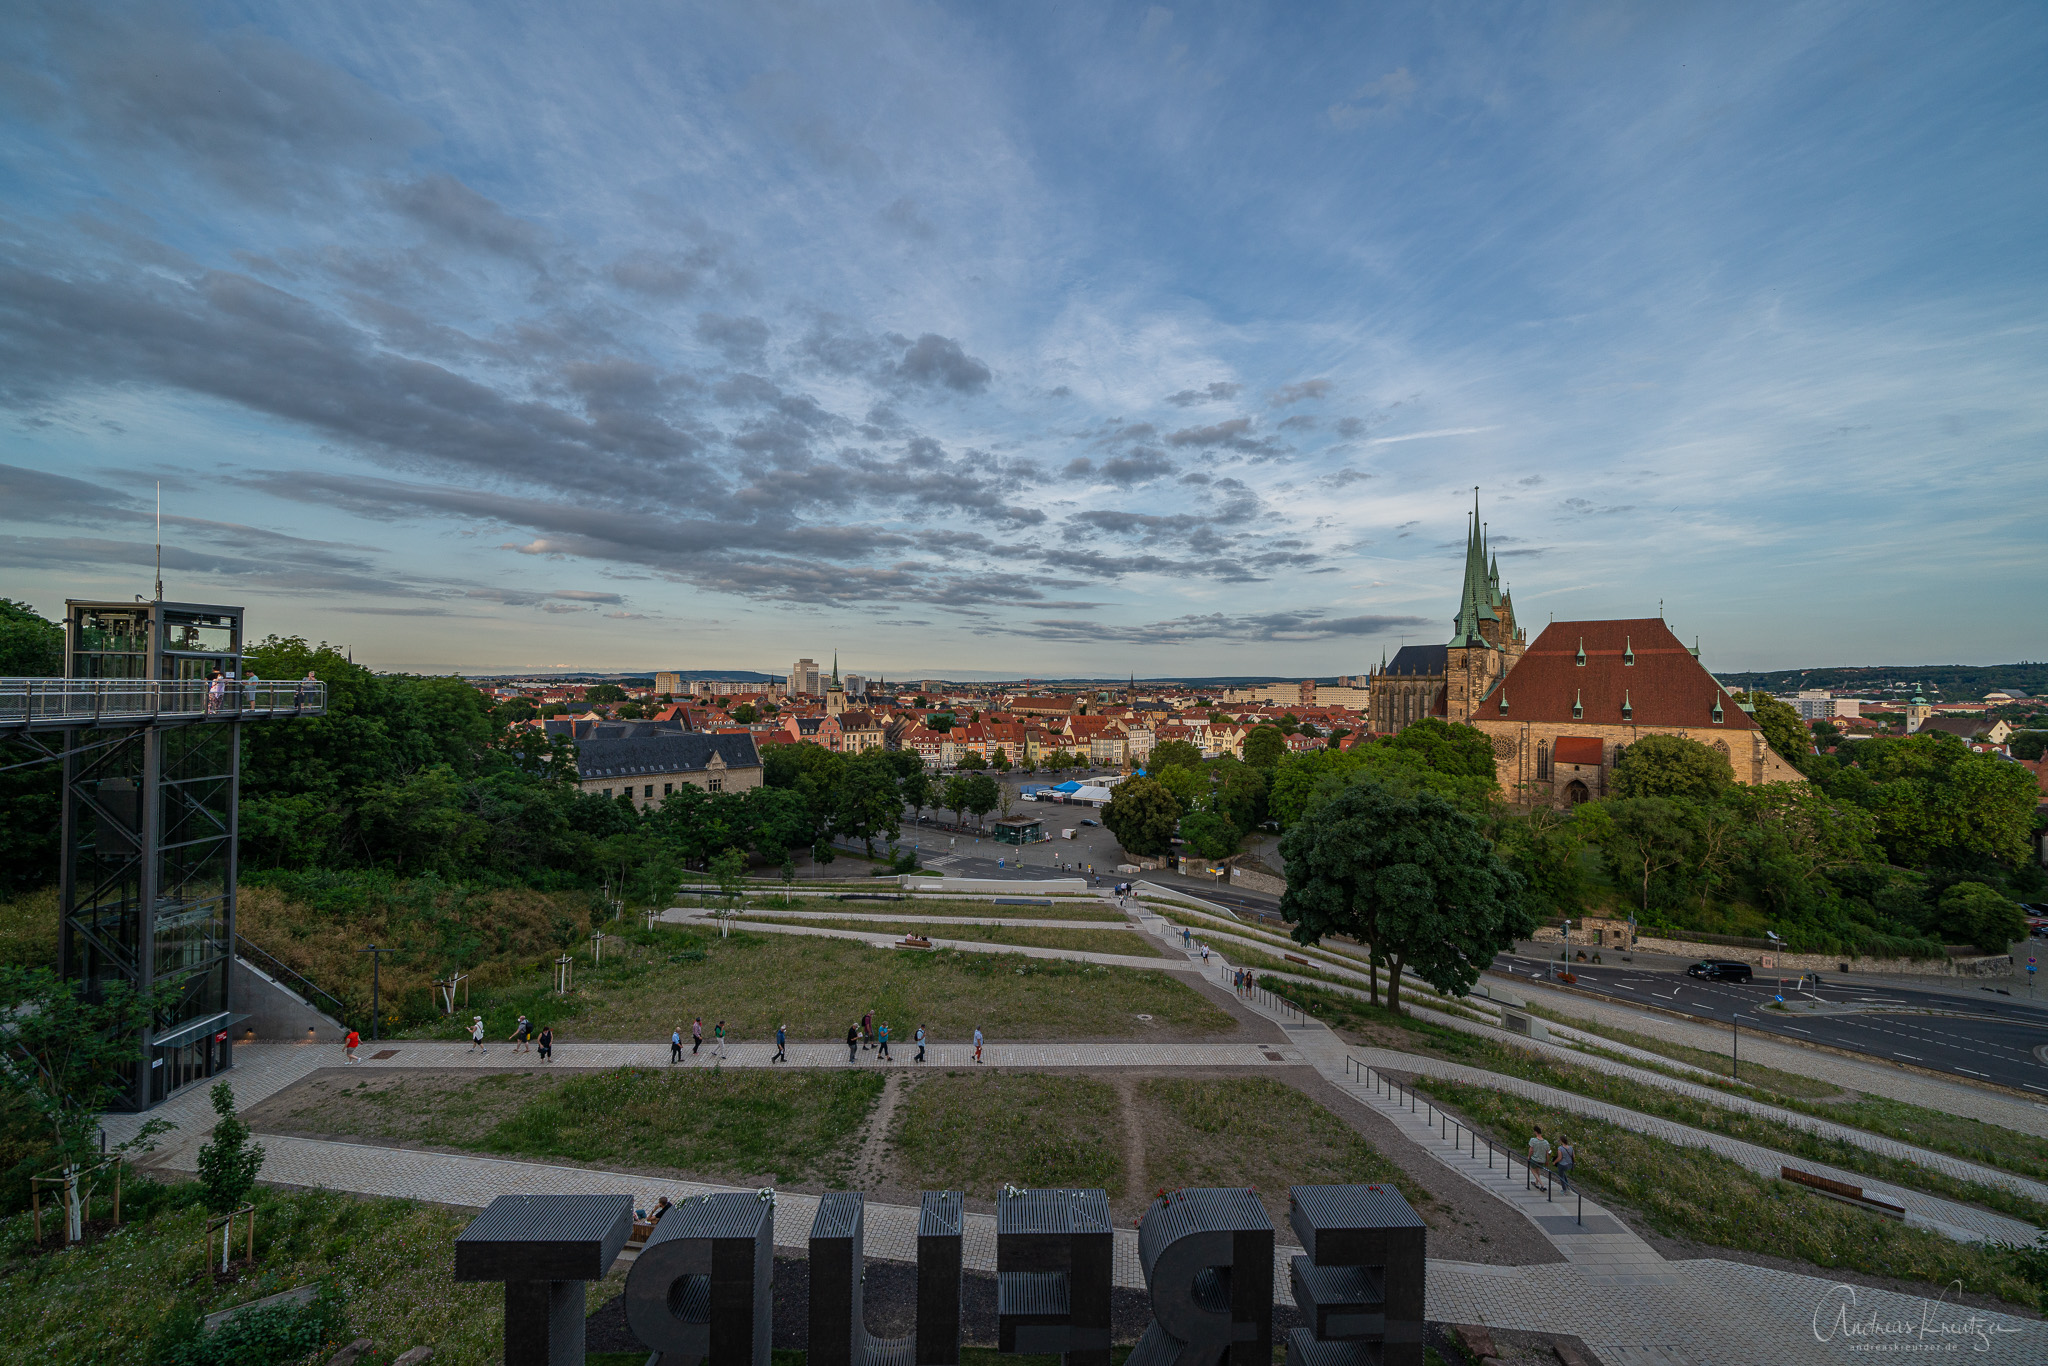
(1515, 744)
(1998, 965)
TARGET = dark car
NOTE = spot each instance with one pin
(1719, 970)
(1086, 821)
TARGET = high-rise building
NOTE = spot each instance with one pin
(856, 686)
(805, 677)
(668, 684)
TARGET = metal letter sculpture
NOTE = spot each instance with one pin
(544, 1247)
(1208, 1260)
(839, 1337)
(1053, 1262)
(1359, 1289)
(700, 1290)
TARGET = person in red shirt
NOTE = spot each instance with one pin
(353, 1042)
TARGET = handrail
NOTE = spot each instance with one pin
(1386, 1085)
(53, 702)
(1260, 993)
(292, 977)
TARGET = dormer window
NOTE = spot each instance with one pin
(1717, 709)
(1628, 710)
(1578, 709)
(1628, 654)
(1503, 701)
(1582, 652)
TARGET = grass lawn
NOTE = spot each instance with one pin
(1254, 1132)
(818, 986)
(28, 929)
(1090, 940)
(977, 1131)
(1077, 909)
(121, 1297)
(1763, 1078)
(1690, 1193)
(739, 1126)
(1359, 1021)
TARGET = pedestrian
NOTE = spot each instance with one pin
(547, 1042)
(781, 1044)
(853, 1043)
(1205, 953)
(351, 1044)
(1539, 1158)
(918, 1038)
(305, 689)
(718, 1040)
(1187, 939)
(214, 687)
(675, 1045)
(867, 1030)
(1567, 1158)
(1237, 982)
(249, 688)
(521, 1032)
(476, 1035)
(977, 1043)
(885, 1043)
(696, 1036)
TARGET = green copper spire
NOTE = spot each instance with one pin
(1475, 595)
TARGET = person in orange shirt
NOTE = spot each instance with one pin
(351, 1044)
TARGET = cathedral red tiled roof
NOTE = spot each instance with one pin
(1665, 686)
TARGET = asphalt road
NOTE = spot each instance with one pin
(1998, 1039)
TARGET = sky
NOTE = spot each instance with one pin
(1010, 340)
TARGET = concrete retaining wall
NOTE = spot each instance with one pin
(277, 1014)
(970, 886)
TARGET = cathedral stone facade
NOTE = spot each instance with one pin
(1560, 712)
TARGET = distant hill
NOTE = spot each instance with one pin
(1952, 682)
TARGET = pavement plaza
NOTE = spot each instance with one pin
(1612, 1289)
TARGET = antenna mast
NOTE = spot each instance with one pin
(159, 540)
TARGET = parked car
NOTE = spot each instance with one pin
(1719, 970)
(1085, 820)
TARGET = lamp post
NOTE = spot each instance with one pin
(1735, 1056)
(376, 1003)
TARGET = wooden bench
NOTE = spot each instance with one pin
(1844, 1192)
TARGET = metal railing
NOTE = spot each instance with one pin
(1266, 998)
(52, 702)
(1456, 1133)
(315, 995)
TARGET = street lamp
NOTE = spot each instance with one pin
(1735, 1057)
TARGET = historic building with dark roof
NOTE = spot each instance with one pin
(1560, 712)
(648, 768)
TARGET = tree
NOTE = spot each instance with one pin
(1408, 875)
(1937, 802)
(746, 714)
(1460, 751)
(1826, 734)
(629, 711)
(2029, 745)
(1643, 836)
(915, 787)
(228, 1164)
(1672, 766)
(64, 1054)
(1784, 730)
(730, 868)
(1240, 792)
(30, 647)
(1974, 913)
(1187, 785)
(957, 797)
(1265, 747)
(1001, 760)
(1210, 834)
(867, 803)
(1142, 815)
(1174, 754)
(981, 795)
(604, 692)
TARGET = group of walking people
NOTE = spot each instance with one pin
(1245, 981)
(1546, 1161)
(867, 1035)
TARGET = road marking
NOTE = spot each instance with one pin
(1907, 1056)
(1794, 1028)
(1974, 1074)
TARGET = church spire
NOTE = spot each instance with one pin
(1475, 594)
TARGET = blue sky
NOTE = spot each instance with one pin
(1007, 339)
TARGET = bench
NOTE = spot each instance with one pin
(1844, 1192)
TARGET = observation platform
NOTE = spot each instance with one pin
(46, 704)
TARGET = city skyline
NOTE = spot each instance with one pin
(1160, 339)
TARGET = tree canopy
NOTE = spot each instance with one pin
(1784, 730)
(1672, 766)
(1142, 815)
(1408, 875)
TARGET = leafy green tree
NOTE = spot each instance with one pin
(1672, 766)
(30, 647)
(65, 1055)
(1240, 792)
(1001, 760)
(604, 692)
(1265, 747)
(778, 823)
(746, 713)
(1642, 837)
(1174, 754)
(868, 804)
(1973, 913)
(2029, 744)
(972, 760)
(1543, 846)
(1187, 785)
(982, 795)
(957, 797)
(1826, 734)
(1411, 877)
(229, 1162)
(1936, 801)
(1459, 751)
(1211, 834)
(915, 787)
(1142, 815)
(630, 711)
(1784, 730)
